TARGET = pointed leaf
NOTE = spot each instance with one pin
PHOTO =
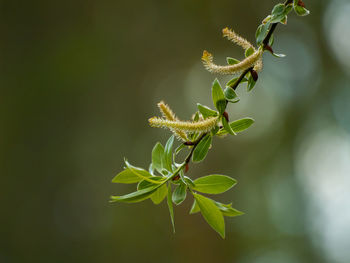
(233, 81)
(168, 155)
(195, 208)
(214, 184)
(261, 32)
(228, 210)
(158, 157)
(126, 177)
(231, 95)
(179, 194)
(211, 214)
(145, 184)
(232, 61)
(251, 83)
(238, 126)
(249, 52)
(143, 174)
(158, 196)
(135, 197)
(227, 127)
(206, 111)
(171, 208)
(201, 150)
(218, 97)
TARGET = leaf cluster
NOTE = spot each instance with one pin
(165, 177)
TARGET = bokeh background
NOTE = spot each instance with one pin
(78, 81)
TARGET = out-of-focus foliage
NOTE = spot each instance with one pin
(69, 67)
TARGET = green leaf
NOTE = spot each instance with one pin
(179, 194)
(231, 82)
(251, 83)
(158, 157)
(271, 40)
(211, 214)
(206, 111)
(141, 173)
(168, 155)
(227, 210)
(227, 127)
(231, 95)
(214, 184)
(238, 126)
(189, 182)
(135, 197)
(232, 61)
(158, 196)
(301, 11)
(261, 33)
(196, 116)
(171, 208)
(195, 208)
(126, 177)
(179, 148)
(278, 9)
(249, 52)
(202, 148)
(278, 55)
(146, 184)
(218, 97)
(279, 13)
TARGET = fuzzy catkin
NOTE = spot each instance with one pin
(186, 126)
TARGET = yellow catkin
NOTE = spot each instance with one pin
(259, 65)
(248, 62)
(170, 115)
(237, 39)
(186, 126)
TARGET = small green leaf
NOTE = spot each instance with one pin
(179, 194)
(168, 155)
(231, 82)
(158, 196)
(158, 157)
(271, 40)
(218, 97)
(279, 13)
(145, 184)
(261, 33)
(126, 177)
(206, 111)
(201, 150)
(301, 11)
(228, 210)
(238, 126)
(135, 197)
(232, 61)
(249, 52)
(278, 9)
(195, 208)
(189, 182)
(196, 116)
(231, 95)
(179, 148)
(214, 184)
(227, 127)
(211, 214)
(141, 173)
(278, 55)
(171, 208)
(251, 83)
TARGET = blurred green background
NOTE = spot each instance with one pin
(78, 81)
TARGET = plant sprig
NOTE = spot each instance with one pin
(166, 178)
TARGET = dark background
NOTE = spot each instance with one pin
(78, 81)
